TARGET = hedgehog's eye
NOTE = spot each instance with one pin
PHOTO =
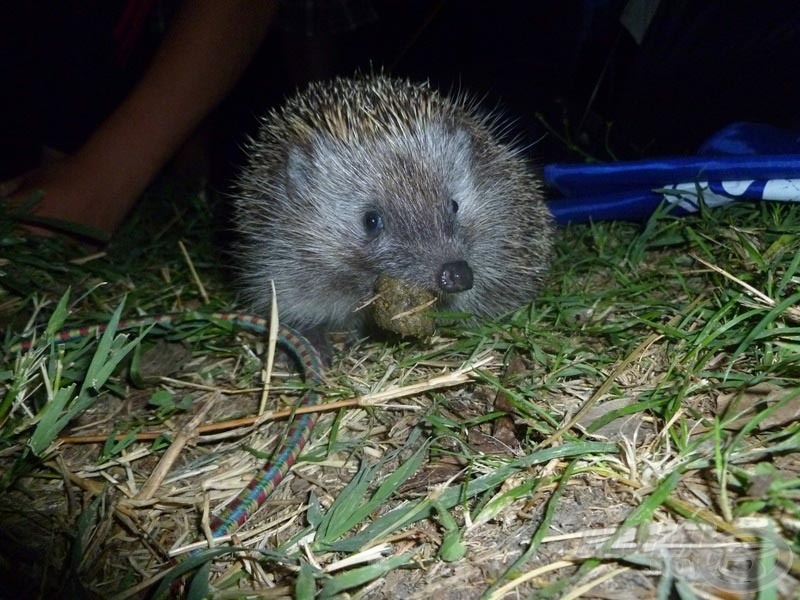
(453, 206)
(373, 222)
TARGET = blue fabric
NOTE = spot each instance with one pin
(751, 138)
(743, 161)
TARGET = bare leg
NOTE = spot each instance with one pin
(205, 51)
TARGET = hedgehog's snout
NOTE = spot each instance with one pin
(455, 277)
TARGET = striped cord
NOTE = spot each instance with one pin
(253, 496)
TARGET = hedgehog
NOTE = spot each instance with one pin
(358, 178)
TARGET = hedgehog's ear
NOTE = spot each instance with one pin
(461, 173)
(298, 169)
(461, 152)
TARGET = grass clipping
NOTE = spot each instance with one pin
(650, 427)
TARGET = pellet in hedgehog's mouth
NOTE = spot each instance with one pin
(402, 307)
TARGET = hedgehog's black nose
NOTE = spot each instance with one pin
(455, 277)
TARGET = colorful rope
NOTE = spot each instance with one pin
(250, 499)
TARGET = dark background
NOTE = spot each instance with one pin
(701, 66)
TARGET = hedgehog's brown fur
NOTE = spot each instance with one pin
(434, 169)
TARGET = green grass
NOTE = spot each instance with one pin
(662, 388)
